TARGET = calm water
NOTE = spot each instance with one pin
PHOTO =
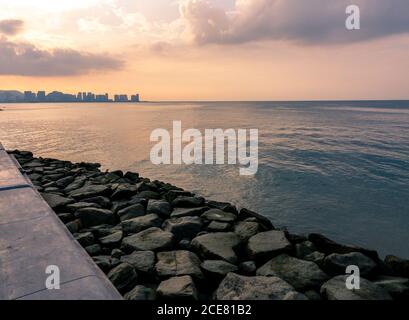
(340, 168)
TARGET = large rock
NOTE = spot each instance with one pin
(398, 288)
(216, 226)
(141, 223)
(245, 230)
(217, 269)
(219, 215)
(265, 245)
(236, 287)
(336, 264)
(179, 288)
(123, 191)
(173, 194)
(64, 182)
(134, 211)
(160, 207)
(141, 293)
(188, 202)
(335, 289)
(85, 239)
(80, 205)
(398, 266)
(188, 212)
(123, 277)
(224, 206)
(142, 261)
(112, 241)
(217, 246)
(266, 223)
(178, 263)
(55, 201)
(152, 239)
(93, 216)
(89, 191)
(76, 184)
(302, 275)
(329, 246)
(183, 228)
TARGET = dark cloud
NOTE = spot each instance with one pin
(306, 21)
(11, 27)
(27, 60)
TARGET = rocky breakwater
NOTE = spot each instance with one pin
(157, 241)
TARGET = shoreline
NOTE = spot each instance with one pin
(156, 241)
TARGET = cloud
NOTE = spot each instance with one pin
(305, 21)
(11, 27)
(25, 59)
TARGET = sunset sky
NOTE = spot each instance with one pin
(206, 50)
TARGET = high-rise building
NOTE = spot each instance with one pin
(79, 96)
(135, 98)
(29, 96)
(41, 96)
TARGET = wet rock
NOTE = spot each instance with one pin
(335, 289)
(301, 274)
(180, 288)
(112, 241)
(188, 202)
(56, 201)
(398, 288)
(93, 216)
(183, 228)
(188, 212)
(236, 287)
(160, 207)
(123, 277)
(336, 264)
(85, 239)
(217, 246)
(248, 268)
(141, 293)
(89, 191)
(245, 230)
(398, 266)
(245, 213)
(216, 270)
(153, 239)
(93, 250)
(218, 215)
(178, 263)
(134, 211)
(139, 224)
(142, 261)
(265, 245)
(216, 226)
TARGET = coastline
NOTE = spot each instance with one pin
(157, 241)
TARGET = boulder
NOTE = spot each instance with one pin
(123, 277)
(149, 195)
(93, 216)
(56, 201)
(152, 239)
(123, 191)
(64, 182)
(224, 206)
(134, 211)
(217, 246)
(264, 222)
(93, 250)
(247, 268)
(245, 230)
(80, 205)
(178, 263)
(398, 288)
(117, 253)
(173, 194)
(188, 212)
(188, 202)
(302, 275)
(336, 264)
(265, 245)
(89, 191)
(142, 261)
(141, 293)
(85, 239)
(76, 184)
(398, 266)
(139, 224)
(335, 289)
(183, 228)
(216, 226)
(304, 249)
(178, 288)
(112, 241)
(160, 207)
(66, 217)
(219, 215)
(217, 269)
(101, 201)
(74, 226)
(237, 287)
(132, 176)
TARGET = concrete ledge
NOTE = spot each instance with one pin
(32, 238)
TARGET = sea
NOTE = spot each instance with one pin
(340, 168)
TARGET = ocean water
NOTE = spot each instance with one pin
(339, 168)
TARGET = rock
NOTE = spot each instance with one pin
(328, 246)
(236, 287)
(102, 202)
(103, 262)
(160, 207)
(398, 266)
(93, 216)
(245, 230)
(216, 226)
(132, 176)
(142, 261)
(217, 246)
(139, 224)
(336, 264)
(178, 263)
(313, 295)
(224, 206)
(74, 226)
(296, 238)
(73, 207)
(188, 212)
(301, 274)
(185, 245)
(56, 201)
(76, 184)
(85, 239)
(303, 249)
(153, 239)
(218, 215)
(90, 191)
(335, 289)
(179, 288)
(173, 194)
(248, 268)
(265, 245)
(123, 191)
(217, 269)
(188, 202)
(316, 257)
(116, 253)
(66, 217)
(245, 213)
(183, 228)
(93, 250)
(53, 191)
(149, 195)
(123, 204)
(123, 277)
(141, 293)
(134, 211)
(112, 241)
(64, 182)
(398, 288)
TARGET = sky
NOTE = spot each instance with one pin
(207, 50)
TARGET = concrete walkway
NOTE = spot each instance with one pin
(32, 238)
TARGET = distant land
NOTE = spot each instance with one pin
(14, 96)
